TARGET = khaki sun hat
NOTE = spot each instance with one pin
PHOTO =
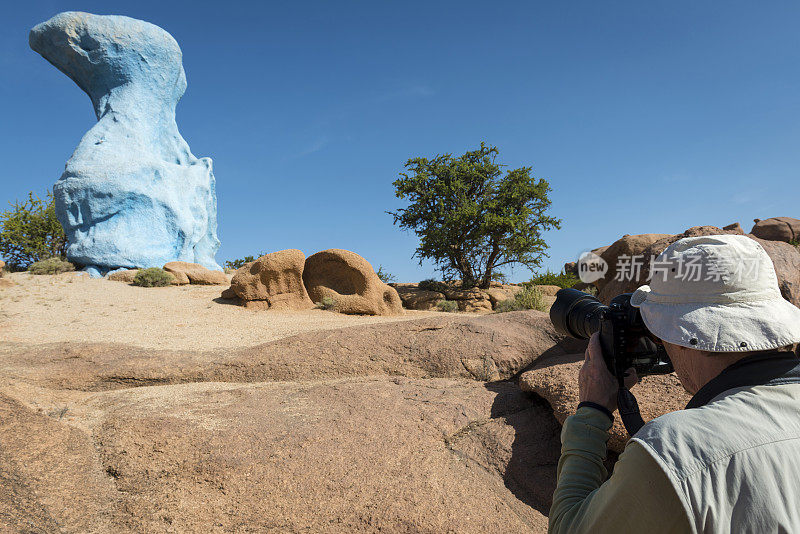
(717, 293)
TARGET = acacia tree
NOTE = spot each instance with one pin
(30, 232)
(472, 220)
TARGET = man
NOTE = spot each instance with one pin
(729, 462)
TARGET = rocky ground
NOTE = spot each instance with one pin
(126, 409)
(207, 417)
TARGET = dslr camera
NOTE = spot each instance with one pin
(625, 340)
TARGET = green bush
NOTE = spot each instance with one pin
(447, 306)
(530, 298)
(50, 266)
(562, 279)
(30, 232)
(430, 284)
(235, 264)
(327, 303)
(153, 277)
(385, 276)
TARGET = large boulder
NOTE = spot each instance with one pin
(555, 379)
(415, 298)
(785, 257)
(627, 245)
(469, 300)
(351, 282)
(785, 229)
(273, 281)
(194, 273)
(132, 194)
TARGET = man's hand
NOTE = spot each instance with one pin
(595, 383)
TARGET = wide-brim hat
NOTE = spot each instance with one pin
(717, 293)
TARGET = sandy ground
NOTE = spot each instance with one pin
(75, 308)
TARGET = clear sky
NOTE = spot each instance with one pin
(644, 116)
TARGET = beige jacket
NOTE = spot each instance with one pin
(731, 465)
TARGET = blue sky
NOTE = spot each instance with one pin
(644, 116)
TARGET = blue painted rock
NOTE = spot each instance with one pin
(132, 194)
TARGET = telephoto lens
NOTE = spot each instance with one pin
(577, 314)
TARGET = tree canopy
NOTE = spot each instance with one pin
(470, 218)
(30, 232)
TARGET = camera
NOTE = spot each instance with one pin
(624, 338)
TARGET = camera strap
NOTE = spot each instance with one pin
(629, 411)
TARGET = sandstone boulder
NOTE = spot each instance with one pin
(502, 293)
(273, 281)
(2, 267)
(785, 257)
(734, 227)
(351, 282)
(194, 273)
(548, 290)
(627, 245)
(777, 229)
(126, 275)
(415, 298)
(469, 300)
(556, 380)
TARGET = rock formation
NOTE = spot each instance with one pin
(777, 229)
(628, 245)
(132, 194)
(555, 378)
(194, 273)
(785, 258)
(351, 282)
(273, 281)
(123, 275)
(415, 298)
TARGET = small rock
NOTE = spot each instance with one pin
(194, 273)
(123, 275)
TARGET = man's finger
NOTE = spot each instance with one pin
(631, 378)
(594, 348)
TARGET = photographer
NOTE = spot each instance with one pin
(730, 461)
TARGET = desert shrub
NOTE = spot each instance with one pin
(327, 303)
(30, 232)
(153, 277)
(547, 278)
(50, 266)
(447, 306)
(795, 242)
(530, 298)
(385, 276)
(235, 264)
(430, 284)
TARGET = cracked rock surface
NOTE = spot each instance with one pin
(409, 426)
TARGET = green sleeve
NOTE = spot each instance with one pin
(637, 498)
